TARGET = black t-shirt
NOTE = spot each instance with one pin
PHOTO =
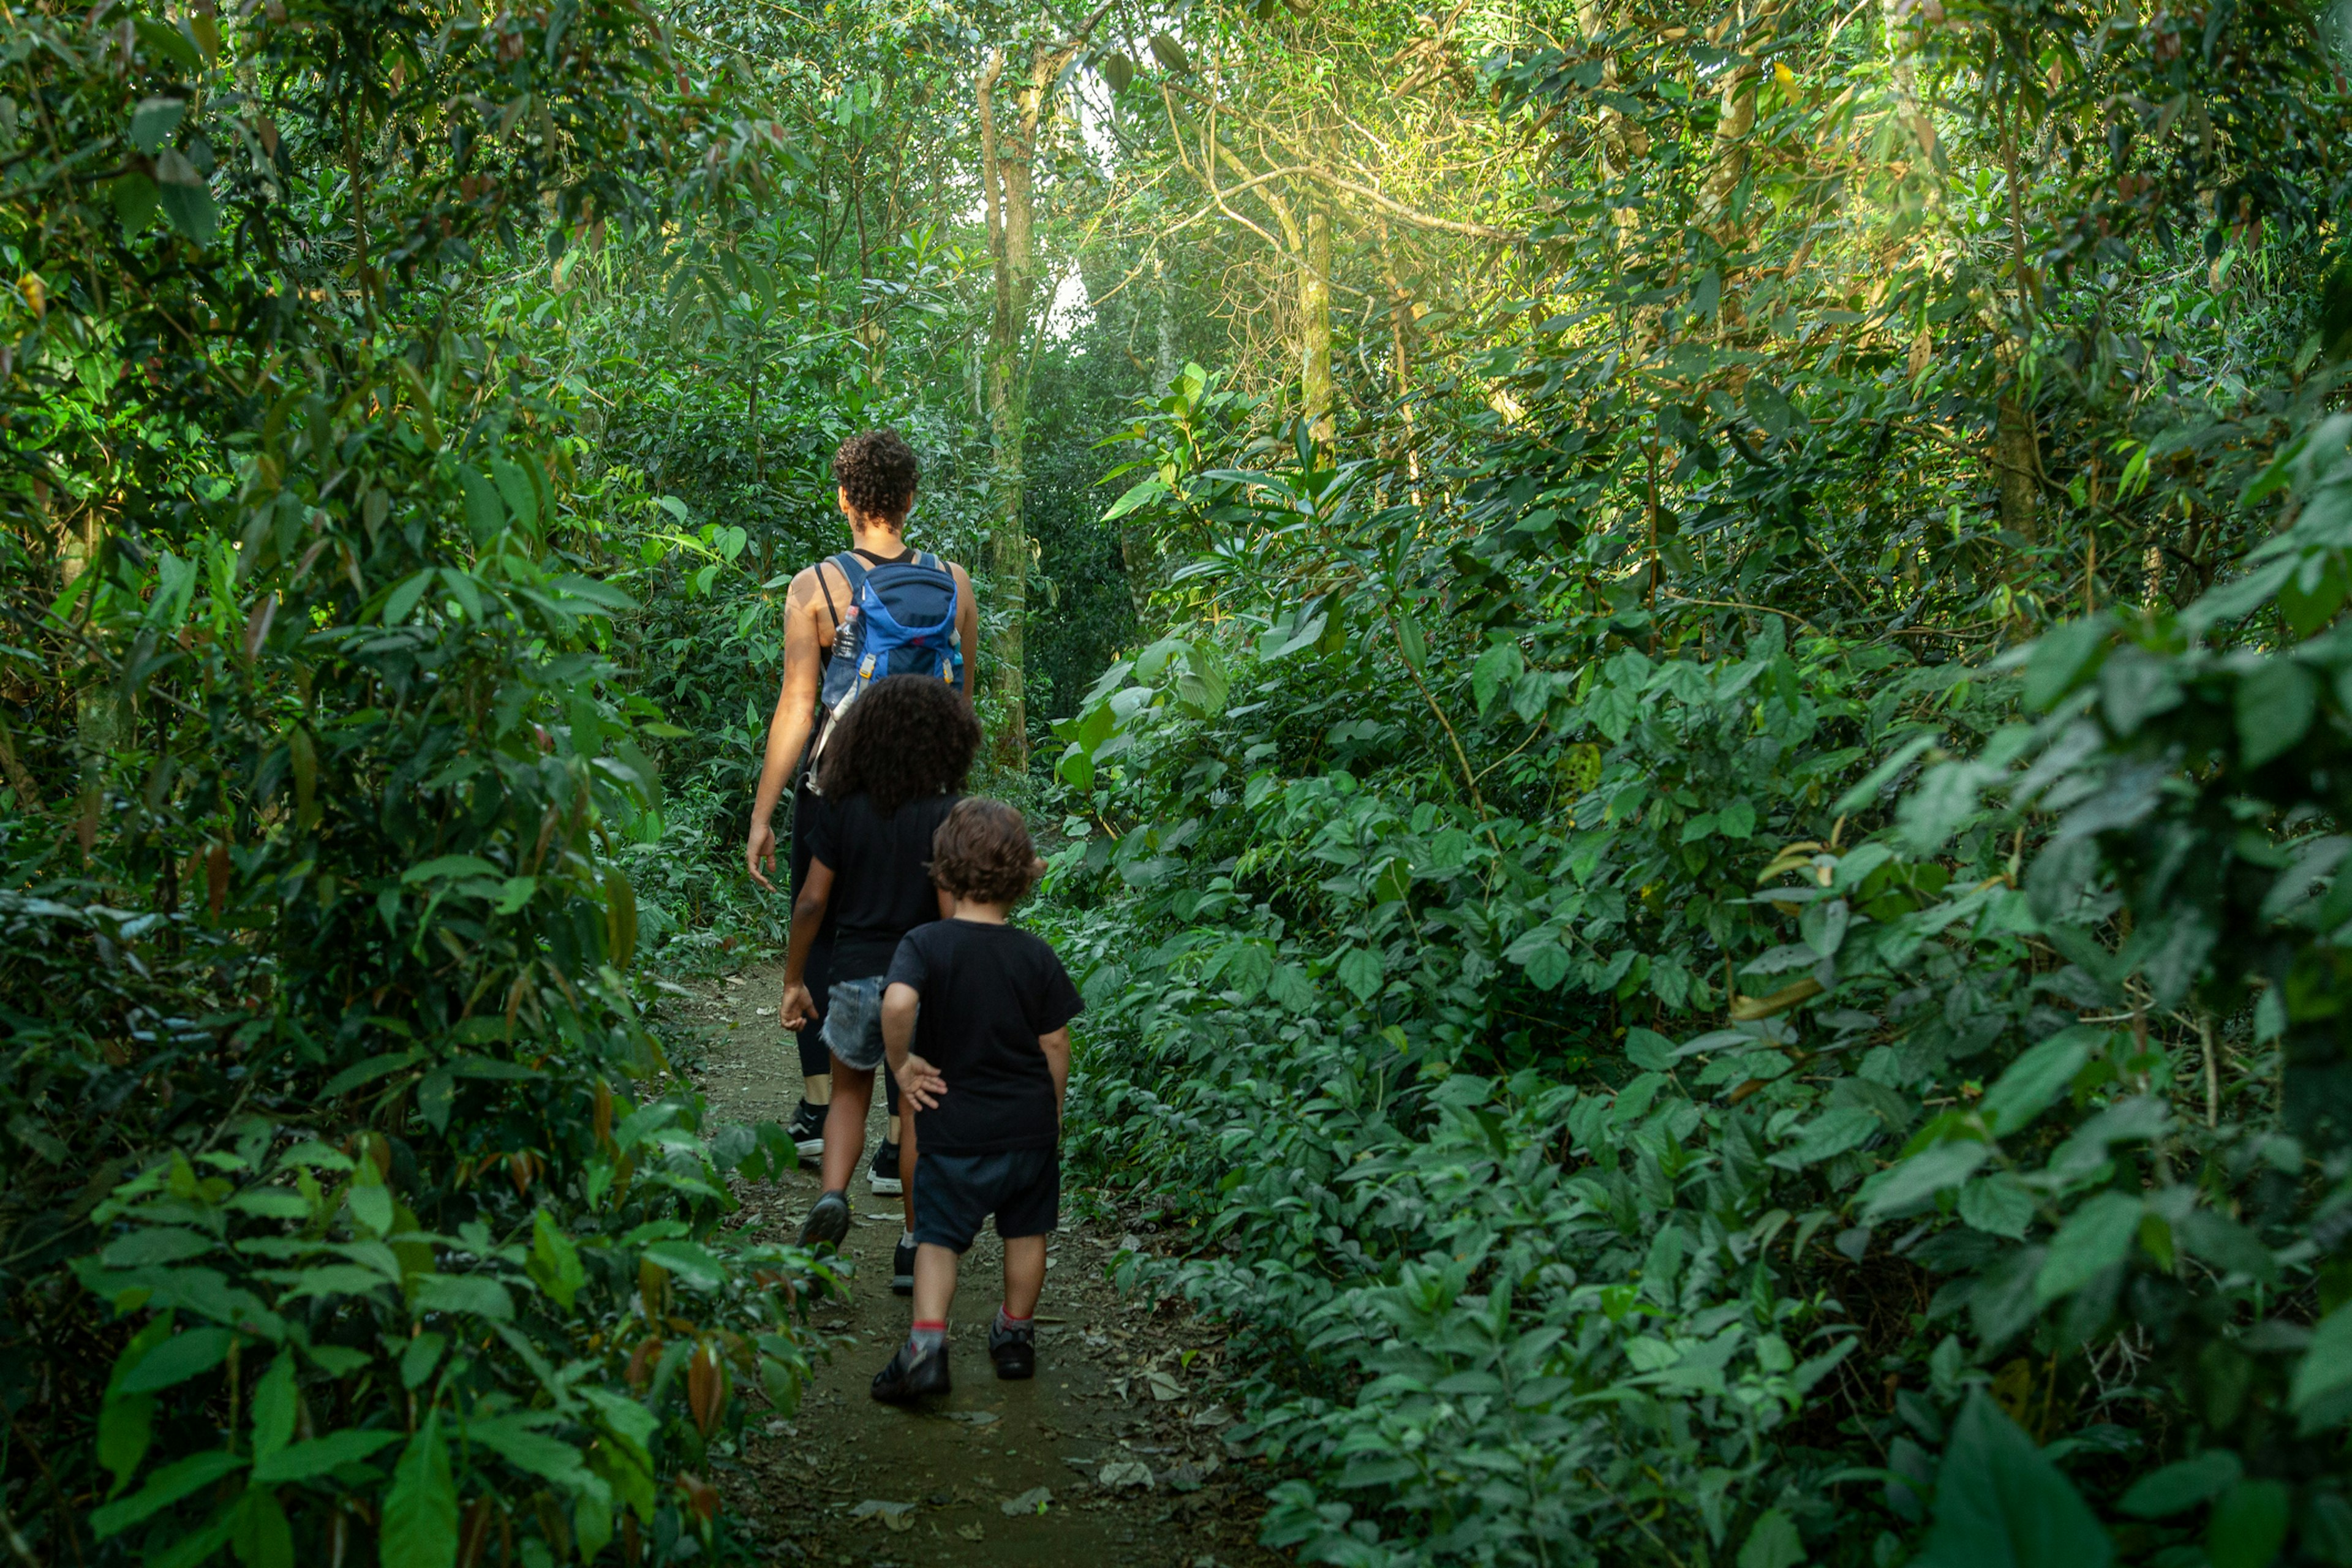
(989, 992)
(880, 889)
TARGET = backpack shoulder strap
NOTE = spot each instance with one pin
(853, 572)
(831, 609)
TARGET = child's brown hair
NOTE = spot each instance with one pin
(982, 852)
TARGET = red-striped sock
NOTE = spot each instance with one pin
(1007, 1323)
(925, 1338)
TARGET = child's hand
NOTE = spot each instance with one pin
(797, 1007)
(920, 1083)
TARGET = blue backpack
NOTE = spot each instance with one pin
(901, 620)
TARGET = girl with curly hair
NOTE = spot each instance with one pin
(896, 764)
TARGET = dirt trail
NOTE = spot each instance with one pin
(1110, 1457)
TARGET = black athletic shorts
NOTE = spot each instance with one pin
(954, 1192)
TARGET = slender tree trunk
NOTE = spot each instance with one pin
(1401, 321)
(1165, 365)
(1007, 177)
(1134, 548)
(1316, 394)
(1731, 131)
(2016, 456)
(1900, 39)
(1620, 144)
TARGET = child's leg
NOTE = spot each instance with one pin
(1024, 1275)
(845, 1123)
(907, 1172)
(935, 1283)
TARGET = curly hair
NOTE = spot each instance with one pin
(878, 471)
(982, 852)
(909, 736)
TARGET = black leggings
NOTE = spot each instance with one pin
(815, 1058)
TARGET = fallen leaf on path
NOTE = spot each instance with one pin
(1212, 1416)
(971, 1532)
(1126, 1473)
(1033, 1500)
(1188, 1477)
(897, 1515)
(1163, 1387)
(973, 1418)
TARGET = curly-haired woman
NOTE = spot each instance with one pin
(874, 474)
(895, 765)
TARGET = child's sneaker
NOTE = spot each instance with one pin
(884, 1175)
(903, 1381)
(807, 1130)
(902, 1267)
(827, 1224)
(1015, 1351)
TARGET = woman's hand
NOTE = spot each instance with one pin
(798, 1006)
(760, 853)
(920, 1083)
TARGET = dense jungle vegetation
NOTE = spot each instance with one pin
(1689, 664)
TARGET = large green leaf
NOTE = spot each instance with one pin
(320, 1456)
(165, 1488)
(420, 1511)
(2001, 1503)
(188, 1353)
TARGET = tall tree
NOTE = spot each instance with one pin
(1009, 135)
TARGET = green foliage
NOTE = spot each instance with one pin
(318, 1225)
(1659, 1059)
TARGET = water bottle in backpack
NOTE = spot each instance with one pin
(901, 620)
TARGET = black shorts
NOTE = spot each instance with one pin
(954, 1192)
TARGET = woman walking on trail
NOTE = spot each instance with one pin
(893, 771)
(875, 475)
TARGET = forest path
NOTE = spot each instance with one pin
(1109, 1458)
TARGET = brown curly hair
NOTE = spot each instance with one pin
(878, 471)
(909, 736)
(982, 852)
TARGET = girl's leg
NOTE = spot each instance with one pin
(844, 1123)
(1024, 1275)
(906, 1171)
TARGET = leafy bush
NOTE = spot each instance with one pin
(348, 1204)
(1854, 1108)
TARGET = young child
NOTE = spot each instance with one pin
(888, 777)
(976, 1023)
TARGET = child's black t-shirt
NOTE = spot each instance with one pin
(988, 993)
(880, 888)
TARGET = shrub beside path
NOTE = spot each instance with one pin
(1111, 1458)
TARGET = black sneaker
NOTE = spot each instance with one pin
(903, 1381)
(884, 1175)
(807, 1130)
(902, 1265)
(1015, 1351)
(827, 1224)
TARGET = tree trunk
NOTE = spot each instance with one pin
(1165, 365)
(1731, 131)
(1401, 321)
(1135, 547)
(1315, 395)
(1007, 182)
(1620, 144)
(1900, 40)
(2016, 457)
